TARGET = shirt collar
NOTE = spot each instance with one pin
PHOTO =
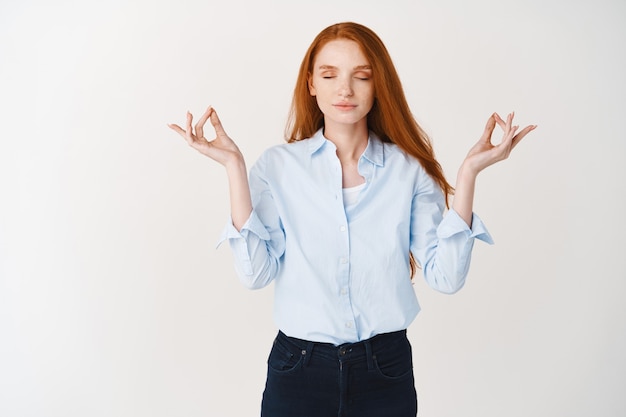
(374, 152)
(316, 141)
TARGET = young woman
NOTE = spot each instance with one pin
(338, 219)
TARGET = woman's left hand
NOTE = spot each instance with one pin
(482, 155)
(485, 153)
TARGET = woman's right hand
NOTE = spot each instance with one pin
(221, 149)
(225, 151)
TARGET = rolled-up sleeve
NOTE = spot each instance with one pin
(259, 245)
(452, 224)
(442, 245)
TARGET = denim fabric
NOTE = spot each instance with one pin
(372, 378)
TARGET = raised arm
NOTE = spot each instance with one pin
(482, 155)
(223, 150)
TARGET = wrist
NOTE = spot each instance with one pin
(235, 164)
(467, 172)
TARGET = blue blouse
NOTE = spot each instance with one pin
(341, 272)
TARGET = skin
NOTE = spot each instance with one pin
(341, 83)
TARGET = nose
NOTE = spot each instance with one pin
(345, 89)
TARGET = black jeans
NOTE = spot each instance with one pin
(372, 378)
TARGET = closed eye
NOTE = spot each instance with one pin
(362, 75)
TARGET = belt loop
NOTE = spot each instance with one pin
(369, 354)
(307, 353)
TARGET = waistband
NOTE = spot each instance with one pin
(365, 349)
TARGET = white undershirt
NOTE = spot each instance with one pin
(351, 194)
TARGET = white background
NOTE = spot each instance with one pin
(113, 299)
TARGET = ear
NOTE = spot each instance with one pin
(309, 81)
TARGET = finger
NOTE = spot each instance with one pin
(509, 122)
(189, 134)
(178, 130)
(511, 134)
(217, 124)
(507, 129)
(202, 121)
(504, 124)
(489, 127)
(523, 133)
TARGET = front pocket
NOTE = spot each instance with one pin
(394, 363)
(283, 358)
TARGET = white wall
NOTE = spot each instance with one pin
(113, 300)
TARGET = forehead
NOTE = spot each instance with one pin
(340, 53)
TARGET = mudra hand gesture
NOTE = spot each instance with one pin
(484, 153)
(221, 149)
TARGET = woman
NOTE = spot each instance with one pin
(338, 218)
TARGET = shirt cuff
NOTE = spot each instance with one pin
(252, 225)
(452, 224)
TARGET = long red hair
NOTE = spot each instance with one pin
(390, 117)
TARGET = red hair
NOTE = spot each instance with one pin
(390, 117)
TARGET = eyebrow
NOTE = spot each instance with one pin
(357, 68)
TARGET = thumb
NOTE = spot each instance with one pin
(217, 124)
(489, 127)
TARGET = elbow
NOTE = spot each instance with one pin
(255, 279)
(253, 283)
(446, 282)
(451, 287)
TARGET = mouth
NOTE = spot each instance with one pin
(344, 106)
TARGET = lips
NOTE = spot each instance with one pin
(343, 105)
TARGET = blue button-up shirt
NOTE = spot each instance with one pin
(341, 273)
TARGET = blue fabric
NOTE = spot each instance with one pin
(342, 273)
(372, 378)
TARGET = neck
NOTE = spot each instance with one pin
(350, 140)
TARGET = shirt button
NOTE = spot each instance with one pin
(349, 324)
(342, 228)
(343, 260)
(344, 291)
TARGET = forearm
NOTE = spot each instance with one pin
(239, 189)
(463, 202)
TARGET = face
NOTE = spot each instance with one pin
(342, 83)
